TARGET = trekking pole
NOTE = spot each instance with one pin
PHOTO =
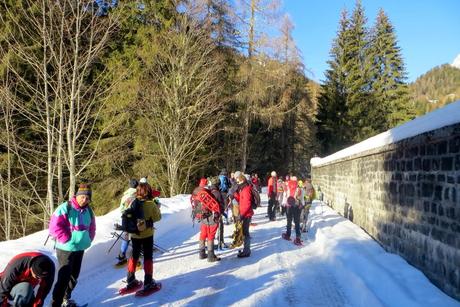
(46, 241)
(118, 238)
(161, 249)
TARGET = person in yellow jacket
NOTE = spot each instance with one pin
(147, 212)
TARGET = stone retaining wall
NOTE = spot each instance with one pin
(407, 196)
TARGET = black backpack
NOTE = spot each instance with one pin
(255, 197)
(130, 216)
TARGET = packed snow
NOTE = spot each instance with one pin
(338, 265)
(446, 116)
(456, 62)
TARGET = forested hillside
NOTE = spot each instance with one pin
(436, 88)
(173, 90)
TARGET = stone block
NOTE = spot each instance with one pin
(454, 145)
(442, 148)
(438, 192)
(447, 163)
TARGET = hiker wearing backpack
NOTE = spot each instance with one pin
(207, 210)
(224, 185)
(244, 197)
(285, 195)
(272, 190)
(219, 196)
(145, 212)
(73, 226)
(293, 210)
(128, 197)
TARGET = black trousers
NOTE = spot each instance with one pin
(69, 270)
(293, 213)
(271, 207)
(145, 245)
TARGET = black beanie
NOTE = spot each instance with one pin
(133, 183)
(42, 266)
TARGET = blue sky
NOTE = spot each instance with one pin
(428, 31)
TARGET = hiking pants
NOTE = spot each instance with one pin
(271, 207)
(146, 246)
(208, 231)
(69, 270)
(293, 213)
(22, 294)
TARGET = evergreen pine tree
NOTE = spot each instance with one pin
(387, 76)
(360, 116)
(332, 127)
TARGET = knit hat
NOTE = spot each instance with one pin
(240, 178)
(273, 174)
(237, 174)
(133, 183)
(42, 266)
(203, 182)
(84, 189)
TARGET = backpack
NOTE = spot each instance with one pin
(255, 198)
(203, 204)
(224, 184)
(129, 217)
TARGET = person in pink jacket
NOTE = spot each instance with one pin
(243, 196)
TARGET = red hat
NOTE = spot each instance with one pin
(203, 182)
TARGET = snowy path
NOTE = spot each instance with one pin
(339, 265)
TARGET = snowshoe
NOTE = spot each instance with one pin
(298, 242)
(131, 287)
(121, 261)
(149, 289)
(285, 237)
(69, 303)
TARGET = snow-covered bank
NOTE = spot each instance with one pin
(445, 116)
(339, 265)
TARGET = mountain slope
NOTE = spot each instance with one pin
(436, 88)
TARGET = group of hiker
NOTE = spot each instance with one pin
(293, 198)
(212, 200)
(73, 227)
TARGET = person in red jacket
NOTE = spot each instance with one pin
(243, 196)
(272, 191)
(20, 277)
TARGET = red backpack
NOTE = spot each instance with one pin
(204, 204)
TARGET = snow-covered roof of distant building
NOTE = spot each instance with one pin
(446, 116)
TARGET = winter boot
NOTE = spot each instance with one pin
(211, 256)
(298, 241)
(285, 236)
(202, 250)
(246, 252)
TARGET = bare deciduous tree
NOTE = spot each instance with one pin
(50, 49)
(180, 99)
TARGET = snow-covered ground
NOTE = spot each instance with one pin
(339, 265)
(442, 117)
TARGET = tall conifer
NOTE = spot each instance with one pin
(387, 74)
